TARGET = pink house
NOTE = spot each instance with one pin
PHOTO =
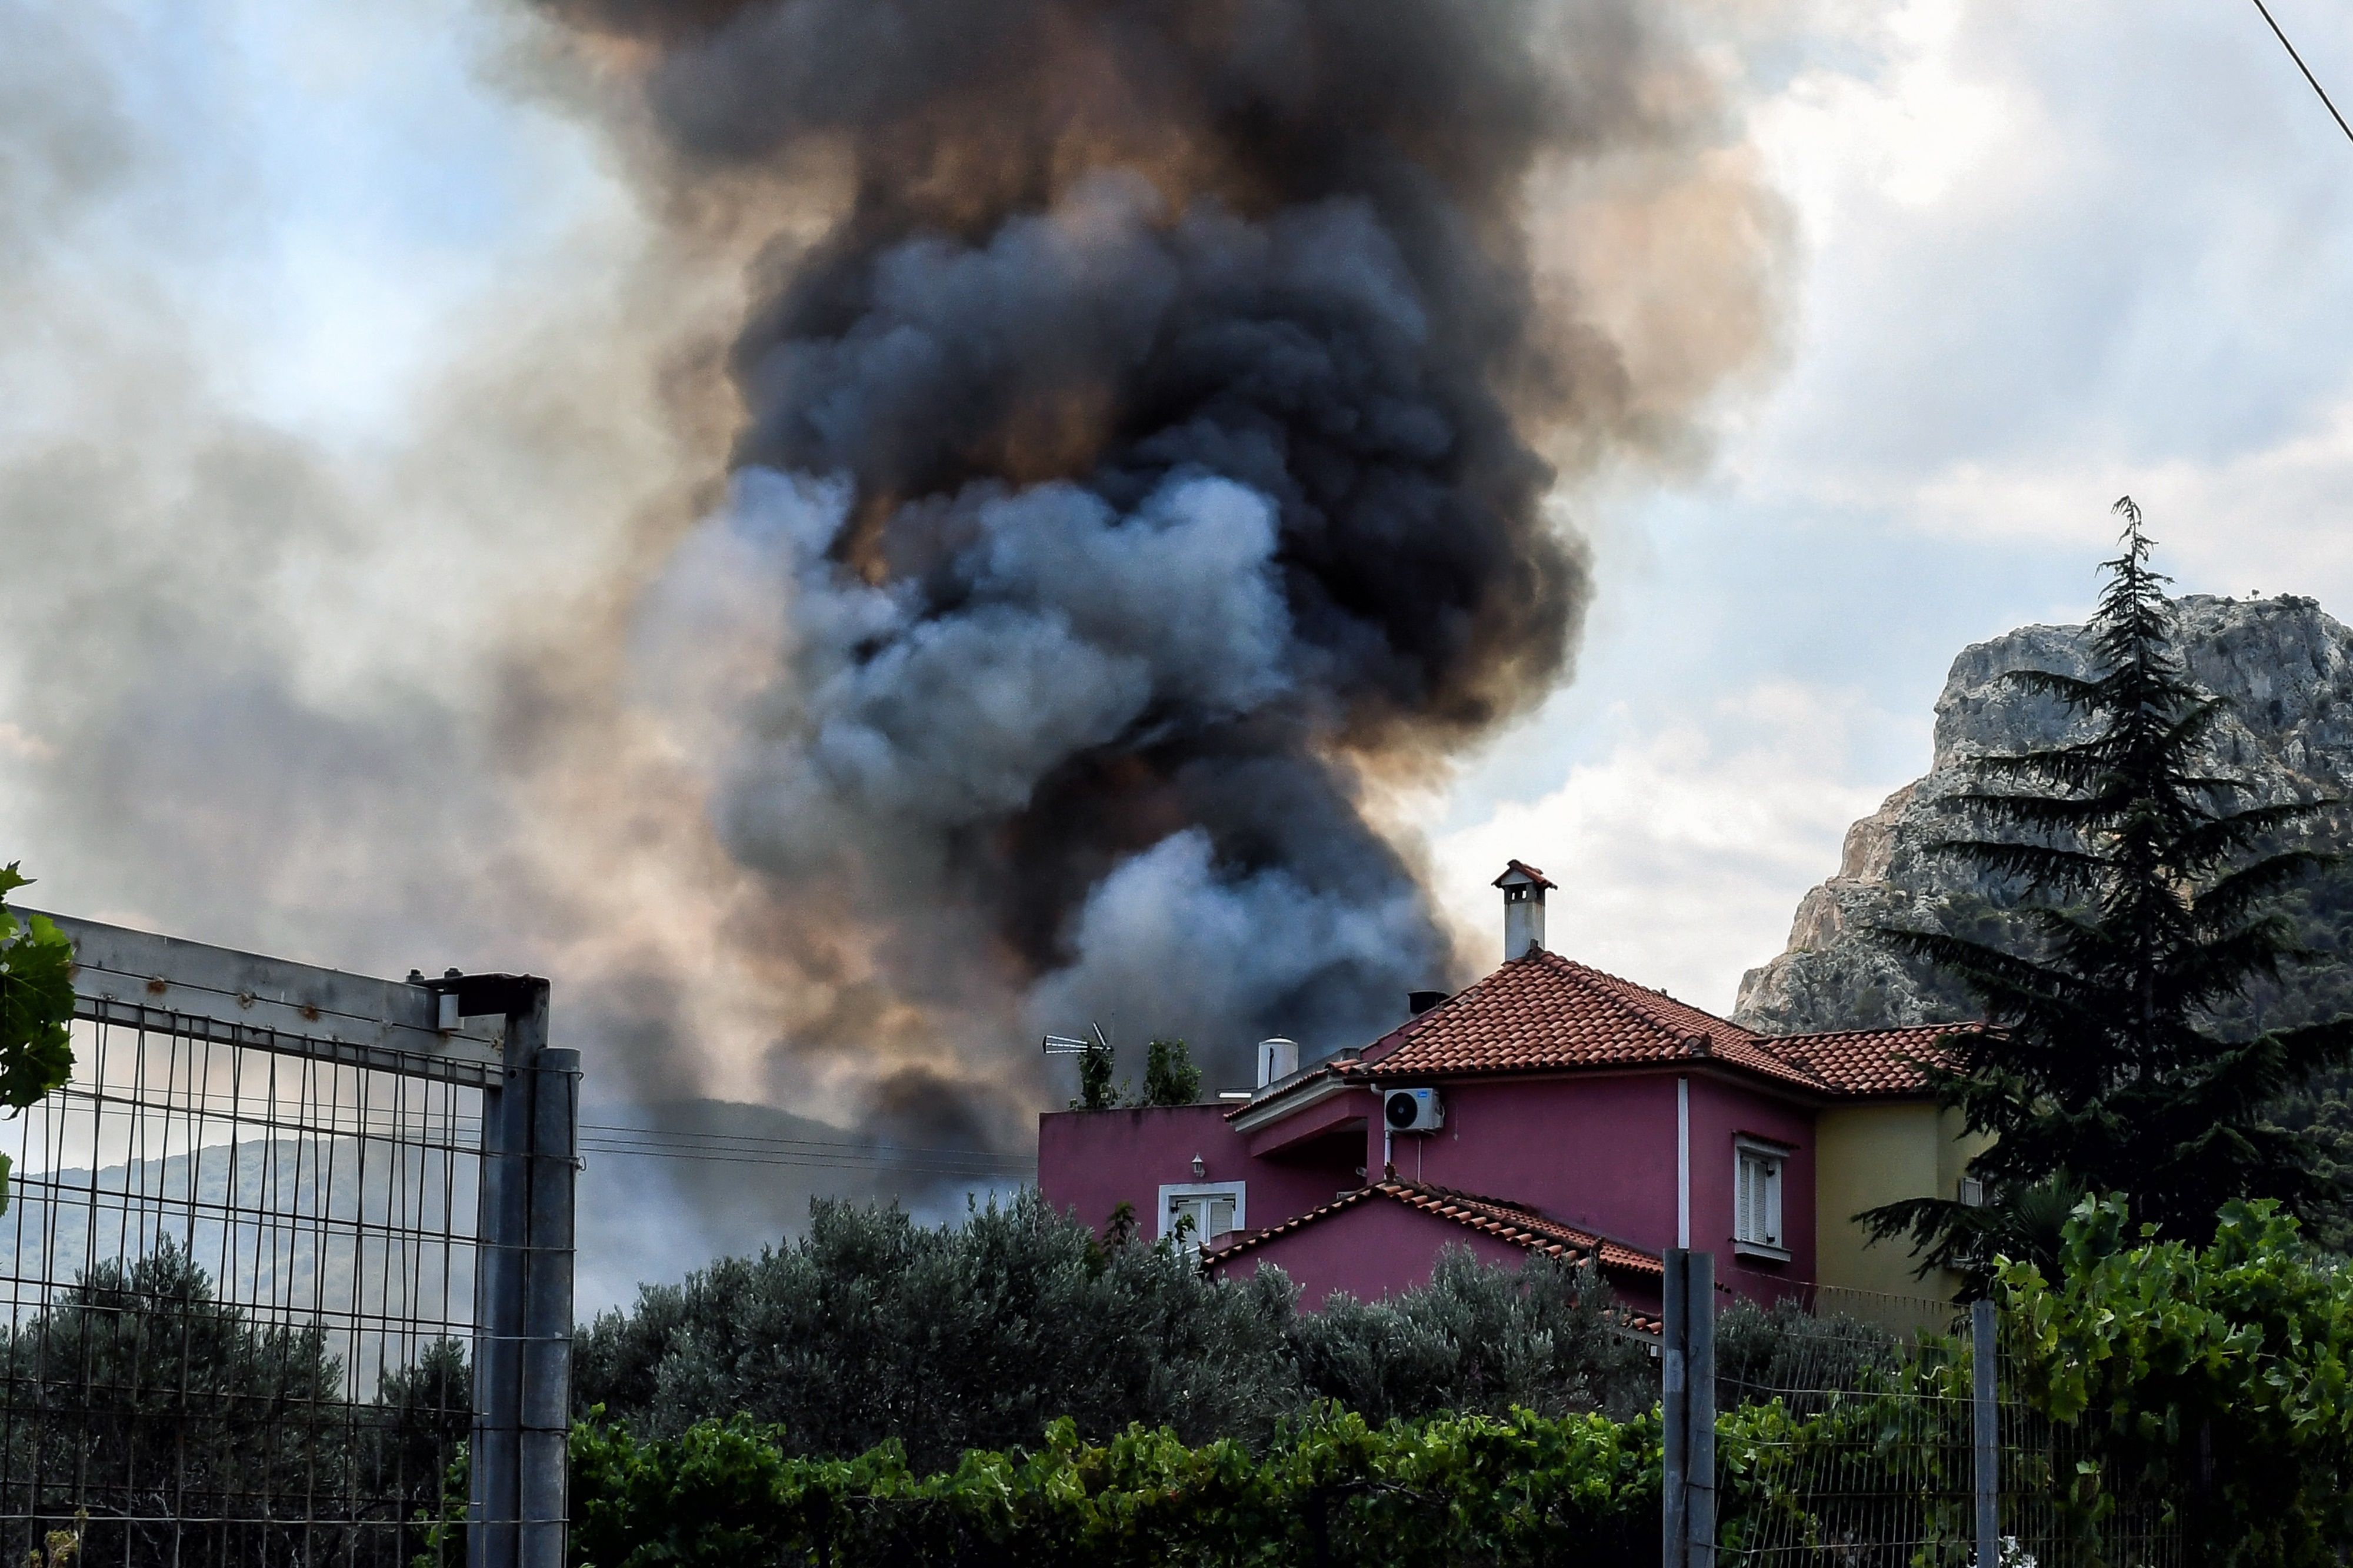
(1550, 1107)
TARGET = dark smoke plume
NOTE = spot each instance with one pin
(1150, 456)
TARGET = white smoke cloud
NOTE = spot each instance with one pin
(1067, 623)
(1170, 944)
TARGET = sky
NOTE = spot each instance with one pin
(343, 359)
(2046, 256)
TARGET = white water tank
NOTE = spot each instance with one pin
(1277, 1059)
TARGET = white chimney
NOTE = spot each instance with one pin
(1523, 908)
(1277, 1059)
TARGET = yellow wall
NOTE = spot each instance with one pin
(1865, 1155)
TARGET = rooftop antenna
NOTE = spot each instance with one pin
(1067, 1046)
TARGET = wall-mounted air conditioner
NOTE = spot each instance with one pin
(1413, 1110)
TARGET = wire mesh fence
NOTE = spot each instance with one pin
(239, 1301)
(1850, 1435)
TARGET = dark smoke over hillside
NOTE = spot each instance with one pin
(1149, 459)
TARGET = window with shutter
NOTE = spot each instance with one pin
(1204, 1211)
(1757, 1200)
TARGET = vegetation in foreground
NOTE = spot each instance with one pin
(37, 1004)
(2197, 1392)
(870, 1327)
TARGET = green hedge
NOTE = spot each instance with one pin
(1331, 1488)
(2203, 1391)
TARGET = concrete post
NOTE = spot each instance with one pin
(546, 1346)
(1675, 1410)
(1982, 1370)
(496, 1449)
(508, 1383)
(1699, 1372)
(1687, 1404)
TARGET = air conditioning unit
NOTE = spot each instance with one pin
(1413, 1110)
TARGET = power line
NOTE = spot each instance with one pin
(809, 1162)
(982, 1163)
(871, 1150)
(2306, 70)
(748, 1149)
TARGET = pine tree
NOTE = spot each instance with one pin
(2147, 890)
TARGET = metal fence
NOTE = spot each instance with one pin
(1875, 1432)
(281, 1263)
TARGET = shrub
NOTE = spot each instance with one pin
(1330, 1488)
(2216, 1373)
(871, 1327)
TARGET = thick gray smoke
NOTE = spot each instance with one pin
(1150, 459)
(1143, 417)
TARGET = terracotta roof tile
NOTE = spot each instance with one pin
(1547, 1013)
(1543, 1011)
(1869, 1061)
(1505, 1220)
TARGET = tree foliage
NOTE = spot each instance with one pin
(2150, 903)
(1095, 1066)
(2221, 1375)
(870, 1327)
(35, 1008)
(1169, 1076)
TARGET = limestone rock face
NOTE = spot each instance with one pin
(2285, 668)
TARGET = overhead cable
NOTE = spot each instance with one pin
(2306, 69)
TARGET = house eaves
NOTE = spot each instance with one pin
(1281, 1101)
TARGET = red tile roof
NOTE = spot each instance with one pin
(1869, 1061)
(1546, 1013)
(1505, 1220)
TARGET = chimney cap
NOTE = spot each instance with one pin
(1518, 873)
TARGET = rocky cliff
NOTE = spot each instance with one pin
(2286, 670)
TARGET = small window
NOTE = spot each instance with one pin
(1972, 1191)
(1757, 1200)
(1202, 1211)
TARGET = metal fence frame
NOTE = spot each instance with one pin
(487, 1032)
(1965, 1461)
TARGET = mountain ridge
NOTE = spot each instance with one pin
(2284, 666)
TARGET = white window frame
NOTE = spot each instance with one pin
(1756, 1214)
(1179, 1191)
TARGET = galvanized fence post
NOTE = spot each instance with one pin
(1699, 1394)
(1982, 1370)
(1674, 1409)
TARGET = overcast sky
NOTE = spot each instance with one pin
(2047, 255)
(2044, 255)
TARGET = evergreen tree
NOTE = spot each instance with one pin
(2149, 896)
